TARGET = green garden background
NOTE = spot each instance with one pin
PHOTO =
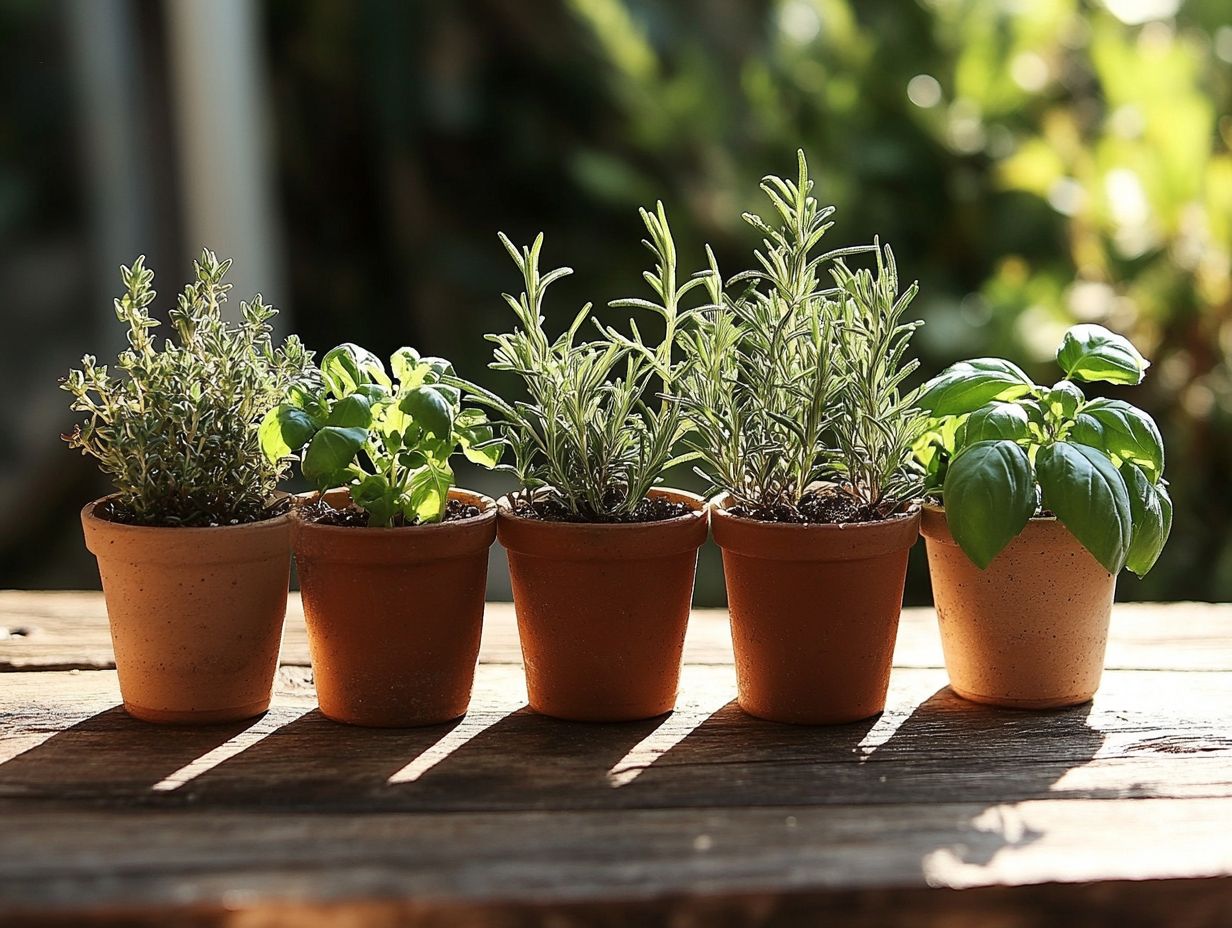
(1033, 164)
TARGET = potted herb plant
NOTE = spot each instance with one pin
(601, 559)
(392, 558)
(793, 389)
(1042, 497)
(193, 549)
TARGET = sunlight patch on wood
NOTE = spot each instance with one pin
(265, 726)
(711, 689)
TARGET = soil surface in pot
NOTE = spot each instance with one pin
(830, 506)
(651, 509)
(112, 510)
(322, 513)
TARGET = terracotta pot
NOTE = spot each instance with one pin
(1029, 631)
(395, 615)
(196, 615)
(602, 610)
(814, 613)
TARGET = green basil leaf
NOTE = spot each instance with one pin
(1091, 352)
(375, 496)
(439, 367)
(428, 491)
(1151, 510)
(283, 431)
(966, 386)
(1063, 399)
(996, 420)
(351, 411)
(430, 410)
(1124, 430)
(374, 393)
(329, 453)
(348, 367)
(1087, 493)
(473, 432)
(404, 363)
(989, 495)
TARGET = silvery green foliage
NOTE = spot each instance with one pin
(789, 381)
(876, 423)
(175, 426)
(585, 435)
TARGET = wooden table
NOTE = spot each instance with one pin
(938, 812)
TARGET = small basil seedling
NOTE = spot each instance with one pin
(1000, 449)
(388, 439)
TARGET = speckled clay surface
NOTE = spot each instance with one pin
(602, 610)
(196, 615)
(1030, 631)
(814, 613)
(395, 615)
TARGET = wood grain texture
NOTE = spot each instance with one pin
(937, 813)
(1148, 734)
(68, 630)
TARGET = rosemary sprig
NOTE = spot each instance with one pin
(584, 436)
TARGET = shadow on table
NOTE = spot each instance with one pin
(518, 761)
(531, 761)
(947, 751)
(110, 755)
(313, 761)
(950, 750)
(735, 759)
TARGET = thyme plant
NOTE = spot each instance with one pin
(790, 383)
(586, 439)
(175, 428)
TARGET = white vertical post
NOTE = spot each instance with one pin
(105, 56)
(224, 142)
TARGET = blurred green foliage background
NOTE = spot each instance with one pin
(1032, 162)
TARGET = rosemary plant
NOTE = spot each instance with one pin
(176, 429)
(876, 425)
(585, 440)
(789, 384)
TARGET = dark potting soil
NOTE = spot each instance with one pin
(651, 509)
(322, 513)
(828, 506)
(114, 511)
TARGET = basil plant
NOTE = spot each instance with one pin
(388, 439)
(1001, 449)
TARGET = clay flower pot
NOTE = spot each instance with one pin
(394, 615)
(196, 615)
(814, 613)
(1029, 631)
(602, 610)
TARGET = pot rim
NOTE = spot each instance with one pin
(939, 510)
(812, 541)
(718, 506)
(505, 508)
(606, 541)
(487, 513)
(87, 514)
(935, 527)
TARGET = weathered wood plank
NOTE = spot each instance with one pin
(1182, 903)
(52, 860)
(1149, 734)
(937, 813)
(68, 630)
